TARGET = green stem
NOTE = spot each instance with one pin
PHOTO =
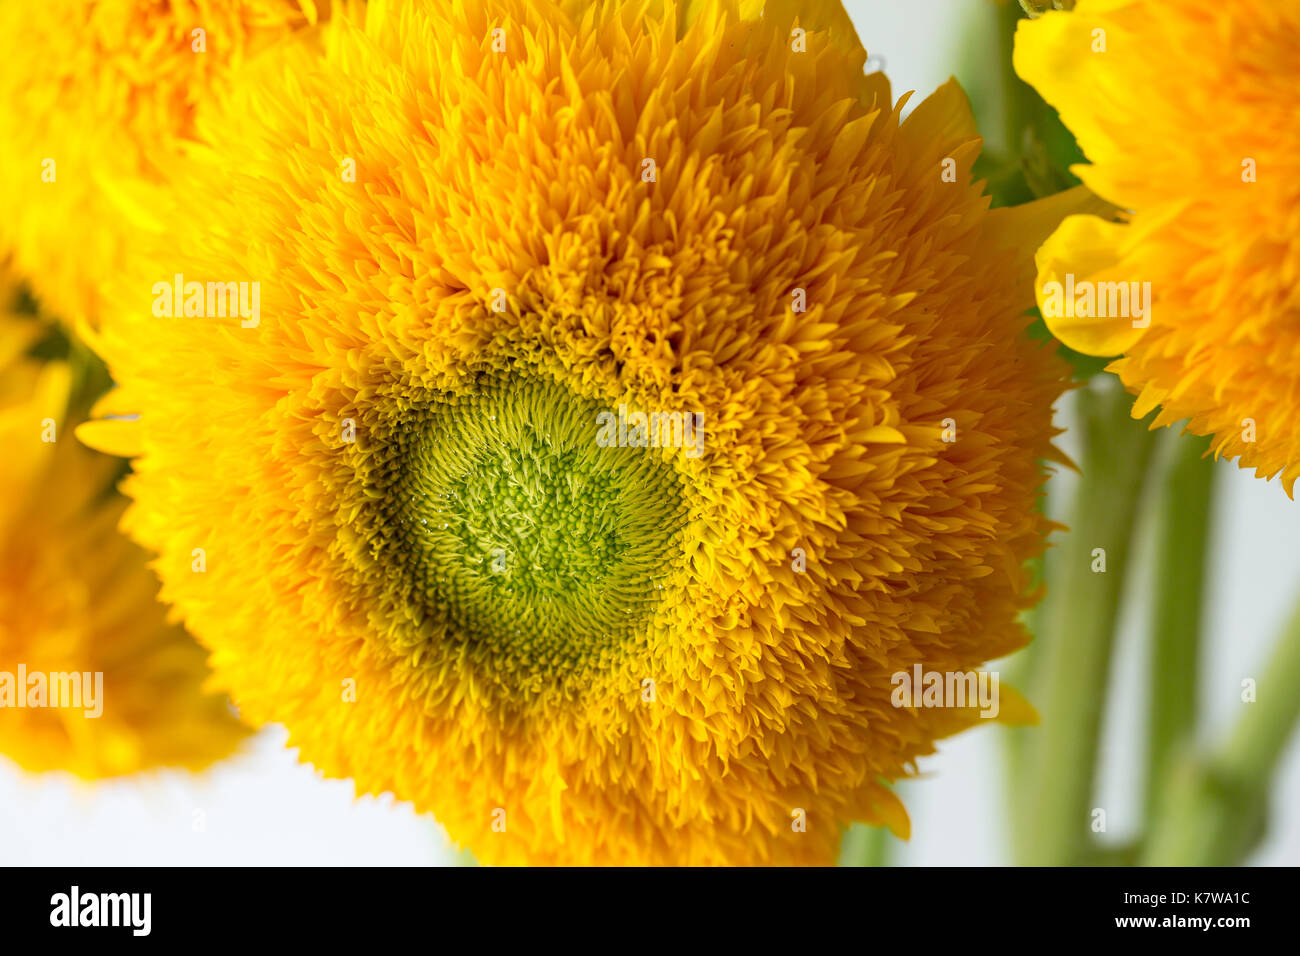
(1017, 97)
(1215, 809)
(1181, 554)
(1079, 628)
(866, 845)
(1261, 735)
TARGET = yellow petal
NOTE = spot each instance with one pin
(116, 402)
(113, 436)
(1013, 709)
(886, 435)
(1084, 249)
(945, 112)
(1026, 227)
(889, 810)
(1054, 55)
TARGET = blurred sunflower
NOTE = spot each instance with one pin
(77, 596)
(98, 96)
(1214, 221)
(443, 547)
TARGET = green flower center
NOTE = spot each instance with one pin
(517, 543)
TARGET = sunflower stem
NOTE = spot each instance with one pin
(1087, 569)
(1215, 809)
(866, 845)
(1181, 554)
(1017, 97)
(1019, 671)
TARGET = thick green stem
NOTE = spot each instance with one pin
(1260, 737)
(1215, 809)
(1087, 568)
(1181, 554)
(1017, 97)
(866, 845)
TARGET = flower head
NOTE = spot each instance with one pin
(1211, 242)
(629, 397)
(94, 678)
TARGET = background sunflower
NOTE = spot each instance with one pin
(76, 596)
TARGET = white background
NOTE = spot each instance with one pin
(262, 807)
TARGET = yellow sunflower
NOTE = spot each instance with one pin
(1210, 247)
(99, 95)
(587, 410)
(80, 624)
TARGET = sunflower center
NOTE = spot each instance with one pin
(519, 544)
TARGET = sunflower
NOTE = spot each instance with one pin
(587, 410)
(100, 95)
(78, 600)
(1210, 244)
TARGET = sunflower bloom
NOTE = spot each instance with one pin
(625, 397)
(1212, 237)
(100, 95)
(76, 597)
